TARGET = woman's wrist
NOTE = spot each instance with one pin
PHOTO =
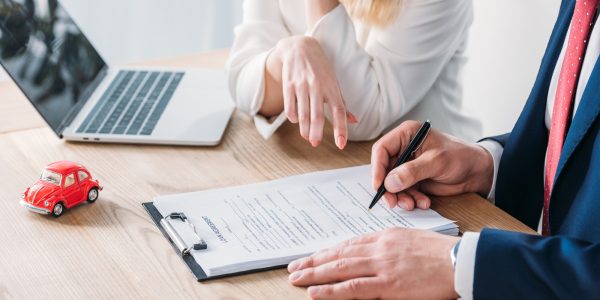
(273, 97)
(274, 63)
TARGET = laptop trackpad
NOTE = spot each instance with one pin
(199, 110)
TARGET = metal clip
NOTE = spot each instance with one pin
(176, 238)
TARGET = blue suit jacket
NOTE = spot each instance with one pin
(567, 265)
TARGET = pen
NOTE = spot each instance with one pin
(412, 147)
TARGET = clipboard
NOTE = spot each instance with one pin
(187, 258)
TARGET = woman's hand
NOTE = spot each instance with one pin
(308, 83)
(392, 264)
(442, 166)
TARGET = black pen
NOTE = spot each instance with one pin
(412, 147)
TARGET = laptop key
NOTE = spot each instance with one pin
(108, 105)
(162, 104)
(93, 113)
(135, 105)
(115, 115)
(149, 104)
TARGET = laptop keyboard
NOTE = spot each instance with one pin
(132, 104)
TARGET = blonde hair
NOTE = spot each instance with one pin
(378, 13)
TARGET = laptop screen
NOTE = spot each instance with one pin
(48, 57)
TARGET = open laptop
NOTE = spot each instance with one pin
(83, 99)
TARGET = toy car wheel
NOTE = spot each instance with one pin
(92, 195)
(58, 210)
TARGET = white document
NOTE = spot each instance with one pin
(272, 223)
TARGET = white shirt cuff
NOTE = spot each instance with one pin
(495, 149)
(266, 126)
(464, 271)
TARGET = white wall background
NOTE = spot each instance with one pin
(508, 38)
(134, 30)
(507, 42)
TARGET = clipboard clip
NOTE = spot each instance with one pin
(176, 238)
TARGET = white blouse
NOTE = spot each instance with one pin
(410, 70)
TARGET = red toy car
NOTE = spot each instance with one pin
(62, 185)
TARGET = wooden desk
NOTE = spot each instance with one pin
(111, 249)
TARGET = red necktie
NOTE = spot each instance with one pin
(581, 26)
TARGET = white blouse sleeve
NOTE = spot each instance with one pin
(398, 65)
(262, 27)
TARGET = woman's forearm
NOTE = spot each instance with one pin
(273, 98)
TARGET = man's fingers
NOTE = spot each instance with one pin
(317, 119)
(303, 111)
(310, 261)
(406, 201)
(411, 173)
(351, 118)
(422, 201)
(440, 189)
(335, 271)
(329, 255)
(340, 125)
(379, 164)
(390, 146)
(358, 288)
(391, 199)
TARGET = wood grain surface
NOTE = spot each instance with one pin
(111, 249)
(16, 112)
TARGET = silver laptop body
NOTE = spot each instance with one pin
(83, 99)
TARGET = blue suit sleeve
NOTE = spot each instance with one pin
(511, 265)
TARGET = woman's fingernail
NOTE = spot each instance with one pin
(393, 183)
(314, 143)
(313, 291)
(352, 118)
(295, 276)
(293, 266)
(341, 142)
(423, 204)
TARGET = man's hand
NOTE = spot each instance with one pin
(442, 166)
(391, 264)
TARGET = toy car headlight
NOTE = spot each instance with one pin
(46, 203)
(23, 196)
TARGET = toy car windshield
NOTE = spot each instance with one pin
(51, 177)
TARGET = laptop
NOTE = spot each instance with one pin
(83, 99)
